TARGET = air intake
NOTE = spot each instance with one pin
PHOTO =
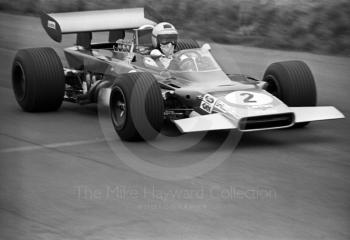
(266, 122)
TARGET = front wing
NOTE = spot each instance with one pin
(219, 121)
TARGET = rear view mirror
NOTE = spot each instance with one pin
(155, 53)
(206, 46)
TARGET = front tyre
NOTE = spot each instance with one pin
(38, 79)
(293, 83)
(137, 106)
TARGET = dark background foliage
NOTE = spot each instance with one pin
(303, 25)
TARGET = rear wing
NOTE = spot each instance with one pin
(56, 24)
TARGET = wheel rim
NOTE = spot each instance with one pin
(19, 81)
(119, 109)
(272, 86)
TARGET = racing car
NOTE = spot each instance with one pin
(194, 92)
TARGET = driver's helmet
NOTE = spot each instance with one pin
(164, 33)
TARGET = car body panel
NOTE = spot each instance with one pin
(56, 24)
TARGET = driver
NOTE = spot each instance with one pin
(164, 40)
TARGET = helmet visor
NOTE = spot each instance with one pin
(167, 38)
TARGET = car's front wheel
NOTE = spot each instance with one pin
(293, 83)
(137, 106)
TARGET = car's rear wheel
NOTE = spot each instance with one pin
(186, 44)
(137, 106)
(38, 79)
(293, 83)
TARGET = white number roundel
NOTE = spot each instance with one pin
(248, 98)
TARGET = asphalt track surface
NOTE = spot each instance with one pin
(61, 179)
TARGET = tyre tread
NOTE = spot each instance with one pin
(186, 44)
(297, 84)
(145, 97)
(44, 78)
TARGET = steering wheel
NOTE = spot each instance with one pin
(188, 64)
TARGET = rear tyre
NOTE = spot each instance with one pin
(137, 107)
(293, 83)
(38, 79)
(186, 44)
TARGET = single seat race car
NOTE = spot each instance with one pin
(193, 92)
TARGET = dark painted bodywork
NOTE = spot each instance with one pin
(184, 90)
(186, 85)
